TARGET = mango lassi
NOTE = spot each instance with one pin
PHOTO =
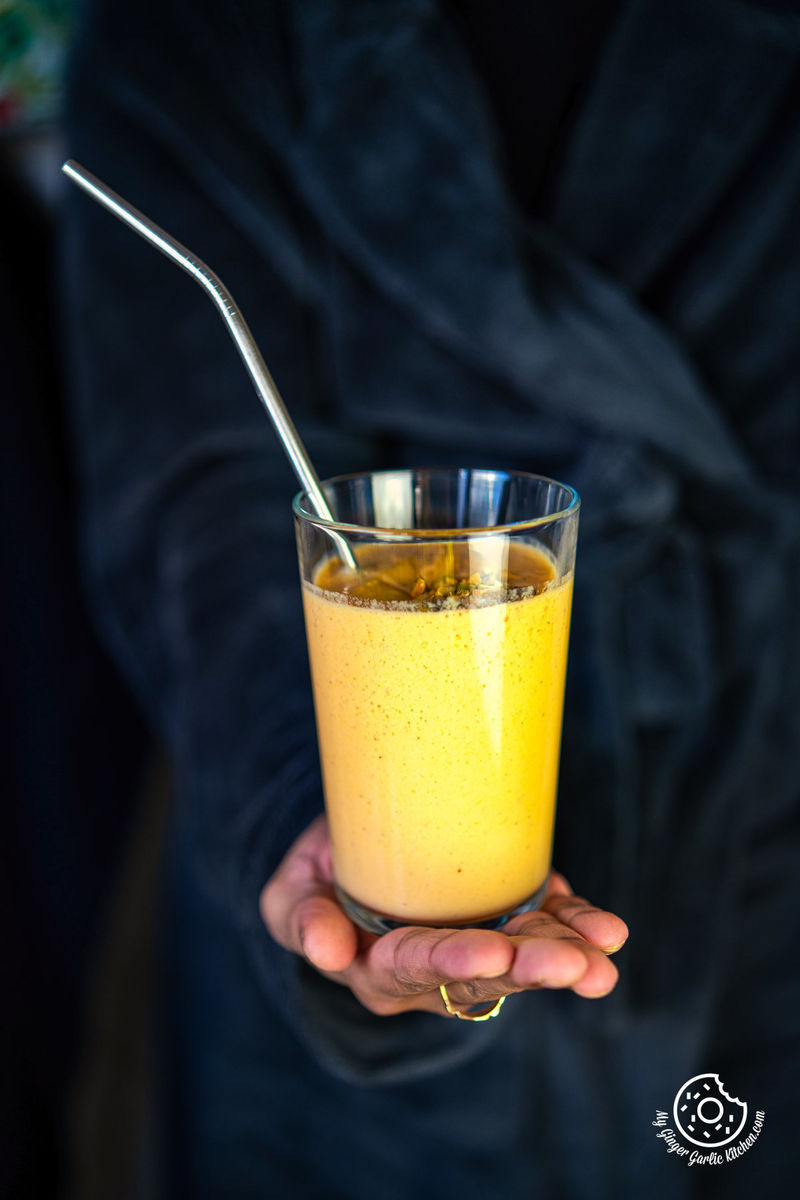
(438, 688)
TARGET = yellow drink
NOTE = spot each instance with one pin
(439, 723)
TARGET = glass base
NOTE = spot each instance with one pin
(375, 922)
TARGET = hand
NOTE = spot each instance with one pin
(564, 944)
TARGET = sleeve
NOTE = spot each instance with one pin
(187, 530)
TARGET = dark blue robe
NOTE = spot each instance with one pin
(336, 164)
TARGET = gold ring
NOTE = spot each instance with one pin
(487, 1013)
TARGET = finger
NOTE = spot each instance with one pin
(479, 965)
(545, 963)
(326, 936)
(309, 922)
(411, 961)
(549, 953)
(404, 970)
(602, 928)
(296, 876)
(563, 961)
(542, 962)
(299, 908)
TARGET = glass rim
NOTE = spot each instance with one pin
(406, 534)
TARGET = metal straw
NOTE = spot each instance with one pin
(238, 329)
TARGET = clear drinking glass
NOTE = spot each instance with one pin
(438, 674)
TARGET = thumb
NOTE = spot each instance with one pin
(324, 934)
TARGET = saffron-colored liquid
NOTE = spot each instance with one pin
(439, 722)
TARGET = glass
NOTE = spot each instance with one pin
(438, 675)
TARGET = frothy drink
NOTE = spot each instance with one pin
(438, 675)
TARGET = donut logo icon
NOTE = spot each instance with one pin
(705, 1114)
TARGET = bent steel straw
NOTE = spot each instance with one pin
(237, 327)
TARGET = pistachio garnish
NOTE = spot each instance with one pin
(434, 575)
